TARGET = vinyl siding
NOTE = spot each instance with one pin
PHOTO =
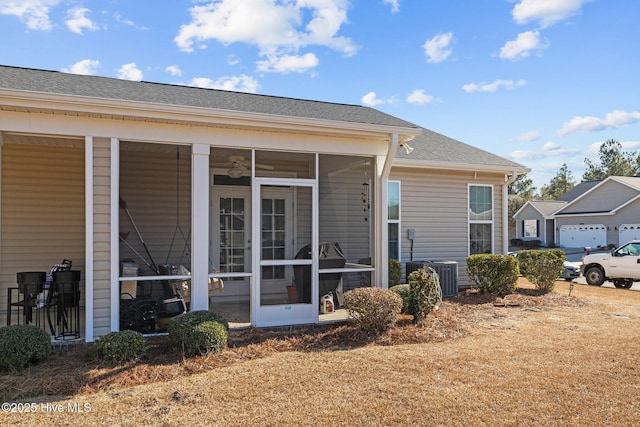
(529, 212)
(608, 196)
(102, 237)
(435, 205)
(42, 212)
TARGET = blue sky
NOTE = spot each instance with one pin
(541, 82)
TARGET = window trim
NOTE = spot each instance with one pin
(395, 221)
(480, 221)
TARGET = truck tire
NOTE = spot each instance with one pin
(623, 283)
(594, 276)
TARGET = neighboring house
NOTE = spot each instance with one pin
(152, 188)
(594, 214)
(535, 222)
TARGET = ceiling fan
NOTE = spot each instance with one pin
(238, 166)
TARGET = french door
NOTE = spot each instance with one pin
(285, 268)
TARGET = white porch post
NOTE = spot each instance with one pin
(88, 236)
(115, 233)
(200, 227)
(381, 235)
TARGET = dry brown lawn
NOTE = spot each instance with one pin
(528, 359)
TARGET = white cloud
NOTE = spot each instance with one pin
(33, 13)
(548, 150)
(241, 83)
(77, 20)
(546, 12)
(522, 46)
(371, 100)
(395, 5)
(492, 87)
(288, 63)
(276, 28)
(419, 97)
(614, 119)
(87, 67)
(438, 48)
(527, 136)
(174, 70)
(130, 72)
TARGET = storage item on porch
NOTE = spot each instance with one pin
(330, 256)
(326, 303)
(66, 291)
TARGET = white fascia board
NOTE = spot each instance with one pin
(208, 116)
(570, 215)
(426, 164)
(628, 202)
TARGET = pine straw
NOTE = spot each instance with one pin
(525, 359)
(75, 370)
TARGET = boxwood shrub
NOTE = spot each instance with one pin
(198, 332)
(494, 274)
(120, 347)
(542, 268)
(23, 345)
(405, 293)
(374, 310)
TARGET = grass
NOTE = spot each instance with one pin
(527, 359)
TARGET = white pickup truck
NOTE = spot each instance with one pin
(621, 266)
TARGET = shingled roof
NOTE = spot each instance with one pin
(436, 149)
(54, 82)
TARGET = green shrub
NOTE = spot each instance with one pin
(395, 272)
(120, 347)
(494, 274)
(198, 332)
(405, 294)
(374, 310)
(424, 291)
(23, 345)
(542, 268)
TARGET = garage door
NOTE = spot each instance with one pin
(578, 236)
(628, 232)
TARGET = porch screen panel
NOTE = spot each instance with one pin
(346, 206)
(43, 207)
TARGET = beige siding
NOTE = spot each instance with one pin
(43, 212)
(102, 237)
(608, 196)
(529, 213)
(435, 205)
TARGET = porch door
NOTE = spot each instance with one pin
(231, 231)
(286, 270)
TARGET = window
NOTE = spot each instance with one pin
(480, 219)
(394, 219)
(530, 228)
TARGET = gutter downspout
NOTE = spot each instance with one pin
(505, 210)
(381, 248)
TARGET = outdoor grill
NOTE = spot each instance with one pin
(330, 256)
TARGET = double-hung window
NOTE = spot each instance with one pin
(480, 219)
(394, 219)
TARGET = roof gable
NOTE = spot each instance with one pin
(607, 196)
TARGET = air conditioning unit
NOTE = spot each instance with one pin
(447, 272)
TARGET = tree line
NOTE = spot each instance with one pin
(612, 161)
